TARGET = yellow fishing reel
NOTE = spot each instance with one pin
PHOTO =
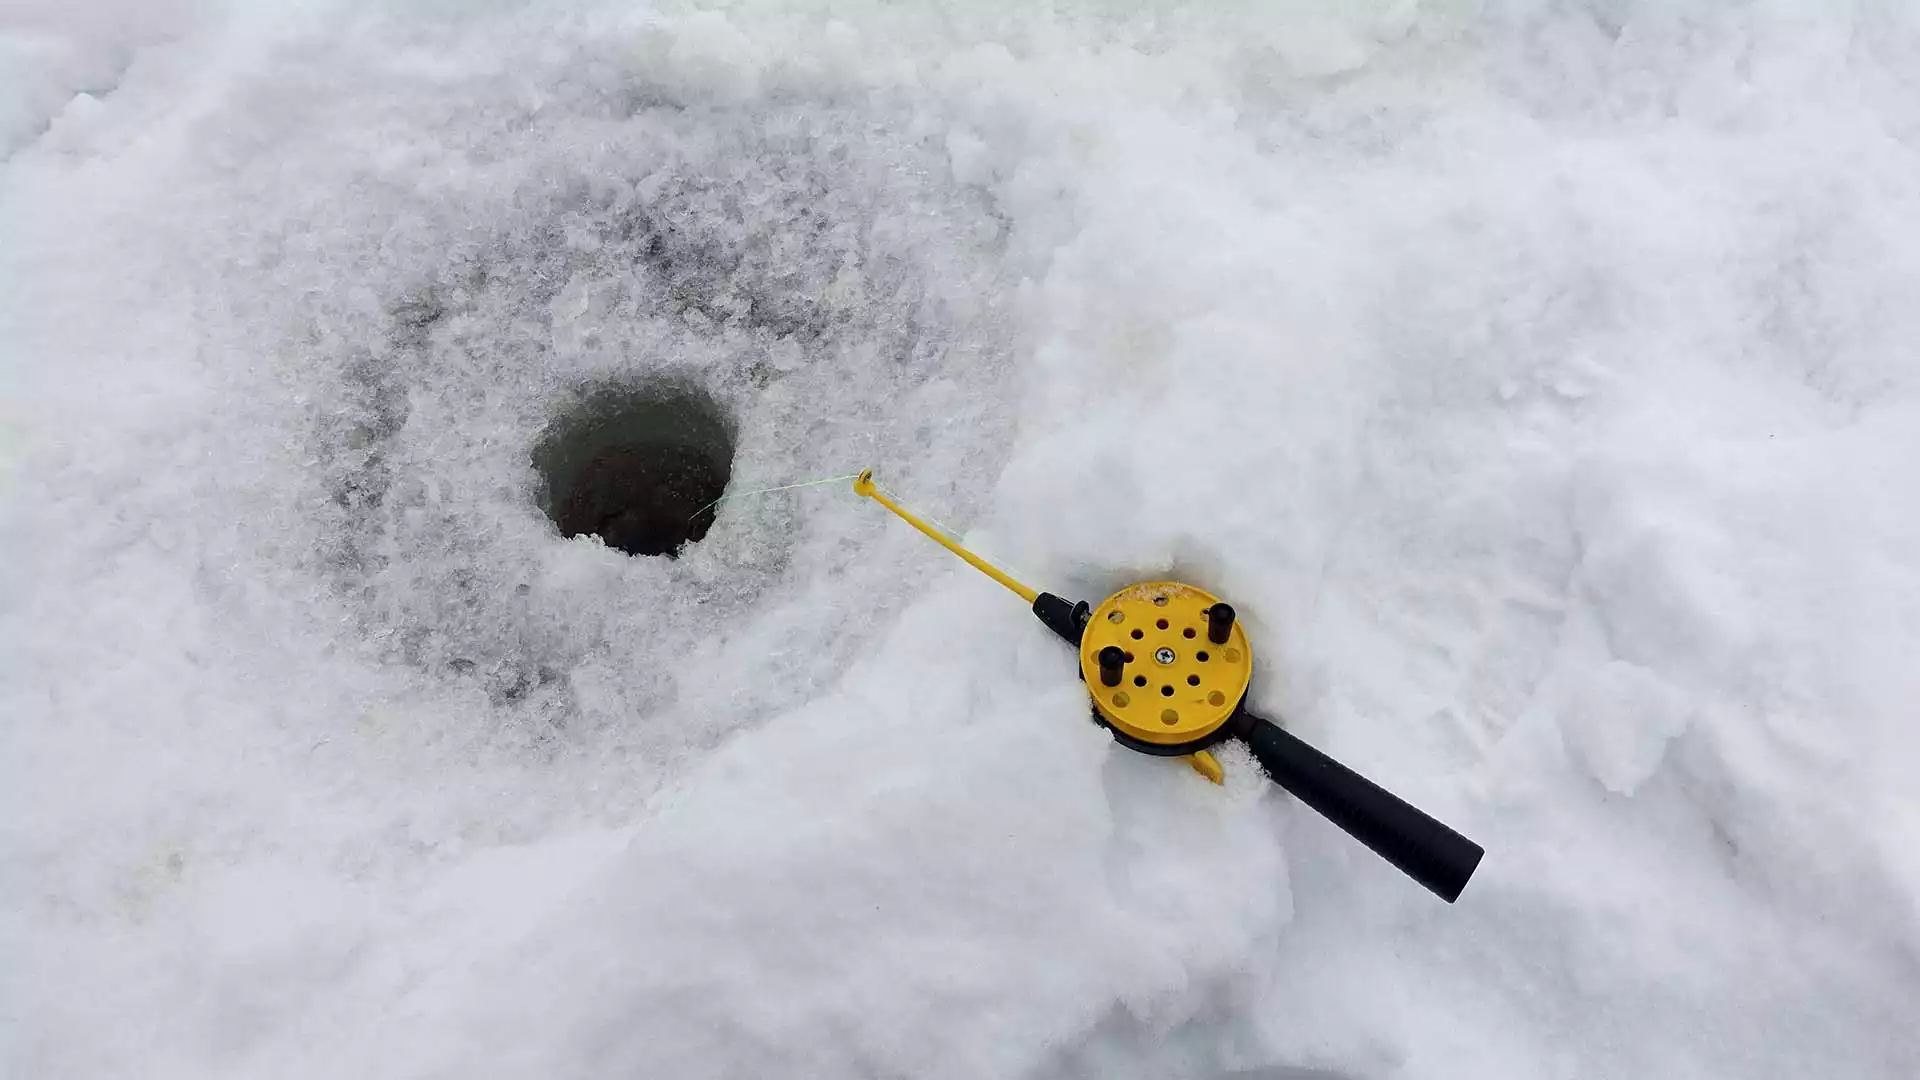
(1168, 664)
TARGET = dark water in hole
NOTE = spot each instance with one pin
(643, 500)
(638, 464)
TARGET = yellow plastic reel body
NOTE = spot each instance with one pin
(1177, 686)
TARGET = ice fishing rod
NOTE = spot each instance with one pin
(1167, 665)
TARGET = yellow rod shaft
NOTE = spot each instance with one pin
(865, 486)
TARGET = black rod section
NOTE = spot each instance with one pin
(1068, 618)
(1422, 848)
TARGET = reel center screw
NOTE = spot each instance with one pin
(1163, 655)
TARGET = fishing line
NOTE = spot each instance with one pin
(771, 490)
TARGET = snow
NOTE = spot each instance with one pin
(1536, 379)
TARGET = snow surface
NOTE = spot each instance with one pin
(1538, 379)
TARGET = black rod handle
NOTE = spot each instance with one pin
(1422, 848)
